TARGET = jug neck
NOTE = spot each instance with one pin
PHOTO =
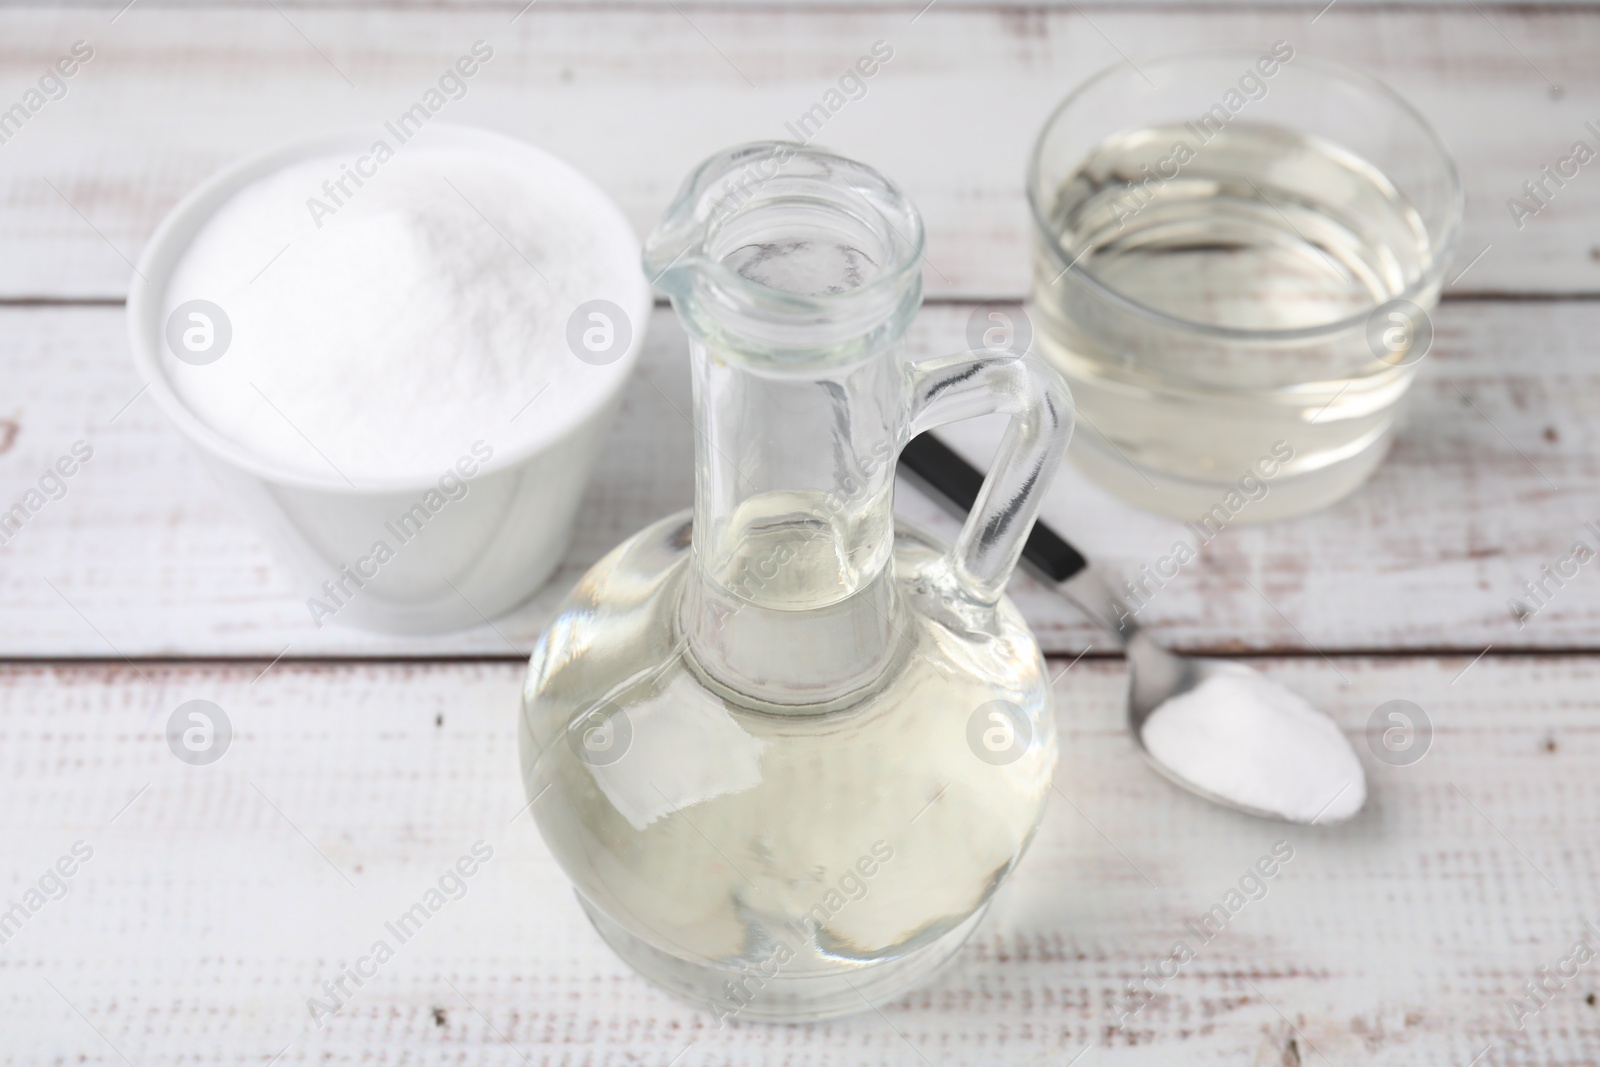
(796, 295)
(791, 601)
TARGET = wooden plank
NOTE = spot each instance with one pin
(638, 96)
(218, 899)
(510, 7)
(145, 556)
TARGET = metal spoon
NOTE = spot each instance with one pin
(1219, 729)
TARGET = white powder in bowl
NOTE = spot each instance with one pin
(424, 313)
(1245, 737)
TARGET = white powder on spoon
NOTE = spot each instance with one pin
(1244, 737)
(425, 314)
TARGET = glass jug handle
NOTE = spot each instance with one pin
(963, 386)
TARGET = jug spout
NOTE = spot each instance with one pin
(789, 253)
(676, 253)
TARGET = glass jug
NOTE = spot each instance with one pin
(785, 748)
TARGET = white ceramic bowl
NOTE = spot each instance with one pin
(483, 553)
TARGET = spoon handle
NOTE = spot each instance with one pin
(938, 466)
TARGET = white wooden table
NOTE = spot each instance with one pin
(217, 899)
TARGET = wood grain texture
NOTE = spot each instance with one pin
(636, 95)
(510, 7)
(145, 556)
(218, 899)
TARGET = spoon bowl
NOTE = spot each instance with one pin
(1228, 733)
